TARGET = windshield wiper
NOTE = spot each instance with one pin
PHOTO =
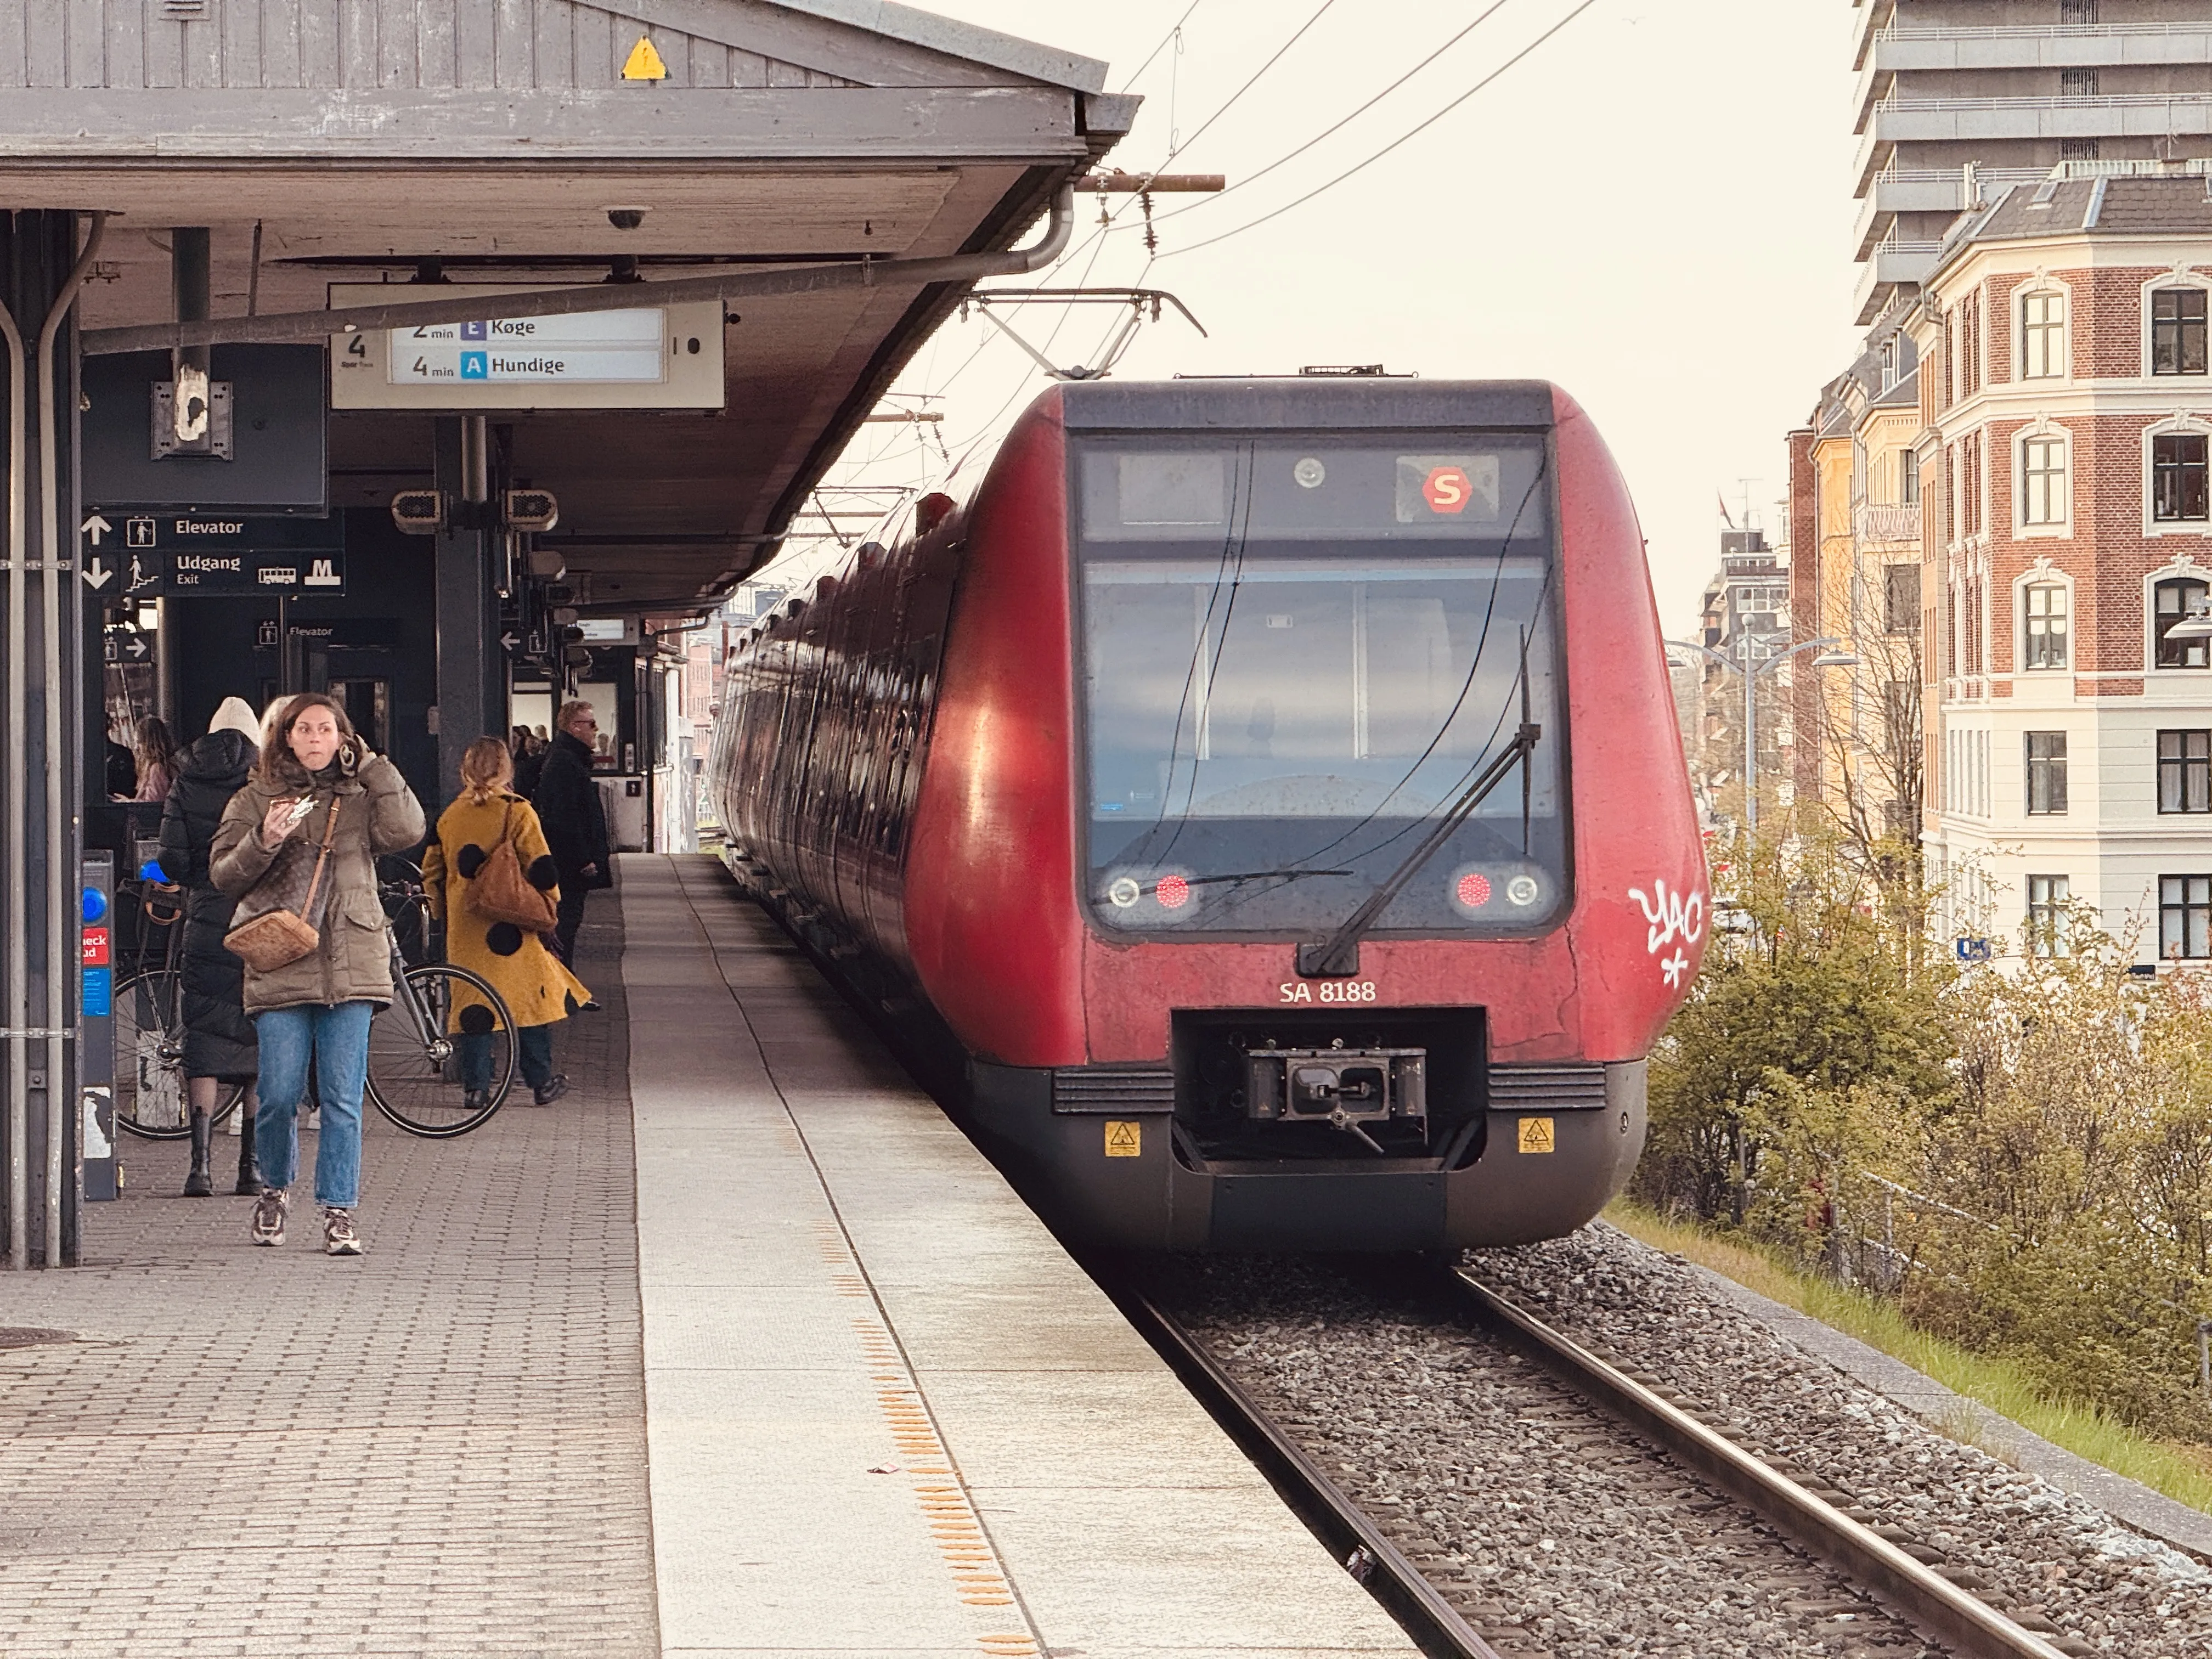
(1337, 957)
(1265, 875)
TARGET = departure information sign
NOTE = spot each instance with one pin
(633, 356)
(591, 347)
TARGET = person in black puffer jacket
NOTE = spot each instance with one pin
(219, 1039)
(575, 821)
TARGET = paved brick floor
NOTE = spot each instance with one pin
(436, 1449)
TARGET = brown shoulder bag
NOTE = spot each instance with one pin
(500, 892)
(280, 935)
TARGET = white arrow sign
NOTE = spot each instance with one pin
(509, 640)
(135, 645)
(97, 575)
(95, 526)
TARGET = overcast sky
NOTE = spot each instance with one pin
(1653, 210)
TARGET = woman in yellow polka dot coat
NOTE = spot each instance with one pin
(531, 981)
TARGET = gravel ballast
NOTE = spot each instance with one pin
(1559, 1533)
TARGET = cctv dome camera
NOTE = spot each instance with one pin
(625, 218)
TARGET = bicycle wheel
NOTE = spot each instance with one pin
(414, 1066)
(150, 1098)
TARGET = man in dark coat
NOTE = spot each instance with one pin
(574, 819)
(220, 1051)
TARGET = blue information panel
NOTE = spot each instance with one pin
(99, 1174)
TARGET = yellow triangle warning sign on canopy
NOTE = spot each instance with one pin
(643, 63)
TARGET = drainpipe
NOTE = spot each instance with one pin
(280, 326)
(62, 883)
(19, 955)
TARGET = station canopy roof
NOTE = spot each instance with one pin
(486, 141)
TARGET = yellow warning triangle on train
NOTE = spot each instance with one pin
(643, 63)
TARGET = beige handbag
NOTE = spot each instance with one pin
(500, 892)
(280, 935)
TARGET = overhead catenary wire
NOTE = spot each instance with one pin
(1339, 125)
(1094, 246)
(1229, 103)
(1149, 56)
(1395, 144)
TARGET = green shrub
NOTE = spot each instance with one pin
(2021, 1156)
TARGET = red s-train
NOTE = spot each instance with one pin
(1261, 810)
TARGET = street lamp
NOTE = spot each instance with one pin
(1751, 670)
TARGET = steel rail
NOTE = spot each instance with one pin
(1342, 1527)
(1944, 1610)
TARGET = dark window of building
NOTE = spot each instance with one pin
(2047, 626)
(1908, 478)
(2184, 916)
(2178, 331)
(2046, 773)
(2185, 771)
(2046, 914)
(2172, 601)
(2080, 149)
(2177, 478)
(2080, 14)
(1900, 598)
(2077, 83)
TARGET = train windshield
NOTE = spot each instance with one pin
(1299, 657)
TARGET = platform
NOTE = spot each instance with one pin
(740, 1349)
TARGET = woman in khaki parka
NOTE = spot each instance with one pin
(531, 981)
(318, 1007)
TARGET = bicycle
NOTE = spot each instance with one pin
(414, 1059)
(414, 1062)
(151, 1100)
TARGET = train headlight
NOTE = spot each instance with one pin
(1488, 893)
(1309, 473)
(1172, 892)
(1123, 892)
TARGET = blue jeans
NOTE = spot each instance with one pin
(337, 1041)
(535, 1044)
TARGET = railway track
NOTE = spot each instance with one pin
(1921, 1598)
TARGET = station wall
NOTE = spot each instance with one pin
(385, 628)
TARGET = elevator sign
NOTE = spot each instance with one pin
(180, 555)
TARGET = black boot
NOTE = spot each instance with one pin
(197, 1184)
(249, 1168)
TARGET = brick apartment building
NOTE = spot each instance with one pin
(2066, 408)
